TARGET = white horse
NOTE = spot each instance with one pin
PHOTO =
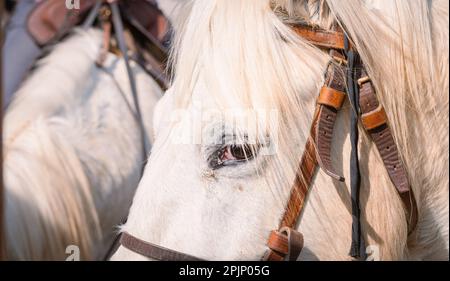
(73, 152)
(199, 196)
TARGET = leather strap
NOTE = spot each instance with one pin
(153, 251)
(303, 179)
(374, 119)
(375, 122)
(295, 242)
(331, 97)
(317, 152)
(321, 38)
(150, 22)
(278, 241)
(329, 102)
(50, 20)
(285, 244)
(120, 37)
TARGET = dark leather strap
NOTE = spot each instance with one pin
(375, 121)
(150, 22)
(295, 242)
(151, 54)
(153, 251)
(334, 87)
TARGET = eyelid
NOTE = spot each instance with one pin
(215, 160)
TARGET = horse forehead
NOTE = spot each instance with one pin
(211, 95)
(204, 98)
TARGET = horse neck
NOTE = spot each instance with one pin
(72, 66)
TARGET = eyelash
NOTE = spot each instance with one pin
(232, 154)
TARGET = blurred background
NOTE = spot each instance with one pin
(79, 81)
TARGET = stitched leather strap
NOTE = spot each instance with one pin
(320, 37)
(375, 121)
(334, 89)
(302, 183)
(317, 152)
(153, 251)
(278, 241)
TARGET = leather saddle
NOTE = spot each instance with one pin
(51, 19)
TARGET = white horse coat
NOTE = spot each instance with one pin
(73, 151)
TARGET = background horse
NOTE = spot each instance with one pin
(208, 191)
(73, 151)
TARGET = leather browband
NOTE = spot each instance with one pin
(319, 37)
(286, 243)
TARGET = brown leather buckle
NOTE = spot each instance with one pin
(374, 118)
(331, 97)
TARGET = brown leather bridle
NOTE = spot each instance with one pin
(286, 243)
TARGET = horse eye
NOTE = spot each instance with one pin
(231, 155)
(237, 153)
(241, 152)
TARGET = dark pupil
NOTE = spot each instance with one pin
(242, 152)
